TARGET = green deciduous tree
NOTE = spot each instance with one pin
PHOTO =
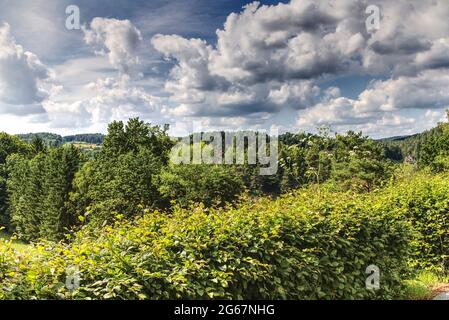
(359, 163)
(435, 152)
(194, 183)
(122, 176)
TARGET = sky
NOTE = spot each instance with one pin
(225, 65)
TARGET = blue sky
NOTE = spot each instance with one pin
(288, 66)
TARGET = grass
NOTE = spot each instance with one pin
(85, 145)
(16, 244)
(424, 286)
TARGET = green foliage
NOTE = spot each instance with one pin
(38, 145)
(49, 139)
(94, 138)
(55, 140)
(12, 241)
(293, 167)
(420, 148)
(8, 145)
(133, 136)
(39, 192)
(352, 210)
(435, 153)
(424, 201)
(106, 187)
(421, 287)
(25, 194)
(124, 173)
(301, 246)
(351, 161)
(11, 145)
(359, 163)
(209, 184)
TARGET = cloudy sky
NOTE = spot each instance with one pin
(290, 65)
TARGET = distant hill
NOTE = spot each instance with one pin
(49, 138)
(92, 138)
(398, 138)
(408, 147)
(57, 140)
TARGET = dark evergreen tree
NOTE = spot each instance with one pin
(39, 192)
(9, 145)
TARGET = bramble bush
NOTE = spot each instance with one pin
(306, 245)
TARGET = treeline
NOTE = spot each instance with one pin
(55, 140)
(47, 191)
(419, 148)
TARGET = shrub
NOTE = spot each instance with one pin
(301, 246)
(424, 202)
(193, 183)
(120, 185)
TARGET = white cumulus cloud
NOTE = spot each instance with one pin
(271, 57)
(22, 74)
(120, 39)
(113, 99)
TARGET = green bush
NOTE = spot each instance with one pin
(301, 246)
(120, 185)
(423, 199)
(193, 183)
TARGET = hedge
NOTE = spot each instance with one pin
(306, 245)
(423, 200)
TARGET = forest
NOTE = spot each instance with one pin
(136, 226)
